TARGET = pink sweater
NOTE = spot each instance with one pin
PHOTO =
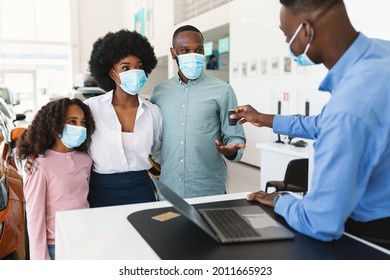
(61, 182)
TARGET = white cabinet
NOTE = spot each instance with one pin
(274, 158)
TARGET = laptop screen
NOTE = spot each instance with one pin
(183, 207)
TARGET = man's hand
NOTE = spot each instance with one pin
(263, 197)
(228, 150)
(247, 113)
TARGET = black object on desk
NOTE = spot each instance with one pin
(279, 112)
(279, 140)
(179, 239)
(299, 143)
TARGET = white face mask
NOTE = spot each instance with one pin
(302, 59)
(191, 64)
(132, 81)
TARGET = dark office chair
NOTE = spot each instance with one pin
(295, 178)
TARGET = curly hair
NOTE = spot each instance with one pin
(299, 6)
(113, 47)
(47, 124)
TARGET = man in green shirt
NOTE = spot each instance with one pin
(196, 131)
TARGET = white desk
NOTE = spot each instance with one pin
(104, 233)
(274, 158)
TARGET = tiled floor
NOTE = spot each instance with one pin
(242, 178)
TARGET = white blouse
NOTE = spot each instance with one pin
(109, 149)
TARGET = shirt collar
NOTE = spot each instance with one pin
(346, 62)
(190, 82)
(107, 98)
(142, 101)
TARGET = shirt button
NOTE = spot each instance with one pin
(181, 161)
(182, 123)
(186, 89)
(182, 142)
(183, 105)
(180, 179)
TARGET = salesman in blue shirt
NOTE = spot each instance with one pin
(196, 132)
(351, 178)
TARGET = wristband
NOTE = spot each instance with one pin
(279, 195)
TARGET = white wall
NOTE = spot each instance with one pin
(94, 19)
(160, 30)
(371, 18)
(254, 36)
(159, 33)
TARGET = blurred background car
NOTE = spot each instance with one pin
(8, 97)
(7, 103)
(13, 231)
(11, 119)
(85, 87)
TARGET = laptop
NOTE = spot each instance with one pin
(228, 225)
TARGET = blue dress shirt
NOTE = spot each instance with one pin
(351, 175)
(194, 116)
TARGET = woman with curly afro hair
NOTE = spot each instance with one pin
(128, 127)
(60, 133)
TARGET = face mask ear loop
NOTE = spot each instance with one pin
(174, 52)
(295, 34)
(177, 58)
(310, 40)
(117, 75)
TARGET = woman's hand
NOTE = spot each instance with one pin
(31, 165)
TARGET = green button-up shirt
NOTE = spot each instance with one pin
(194, 116)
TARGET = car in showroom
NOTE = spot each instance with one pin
(7, 96)
(7, 103)
(13, 233)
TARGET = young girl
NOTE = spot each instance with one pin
(60, 132)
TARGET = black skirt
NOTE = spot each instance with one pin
(120, 188)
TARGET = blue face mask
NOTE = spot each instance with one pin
(191, 64)
(302, 59)
(132, 81)
(73, 136)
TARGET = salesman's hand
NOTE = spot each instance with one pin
(228, 150)
(247, 113)
(263, 197)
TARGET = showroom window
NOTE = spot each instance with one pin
(35, 50)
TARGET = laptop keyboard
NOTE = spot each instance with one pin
(230, 223)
